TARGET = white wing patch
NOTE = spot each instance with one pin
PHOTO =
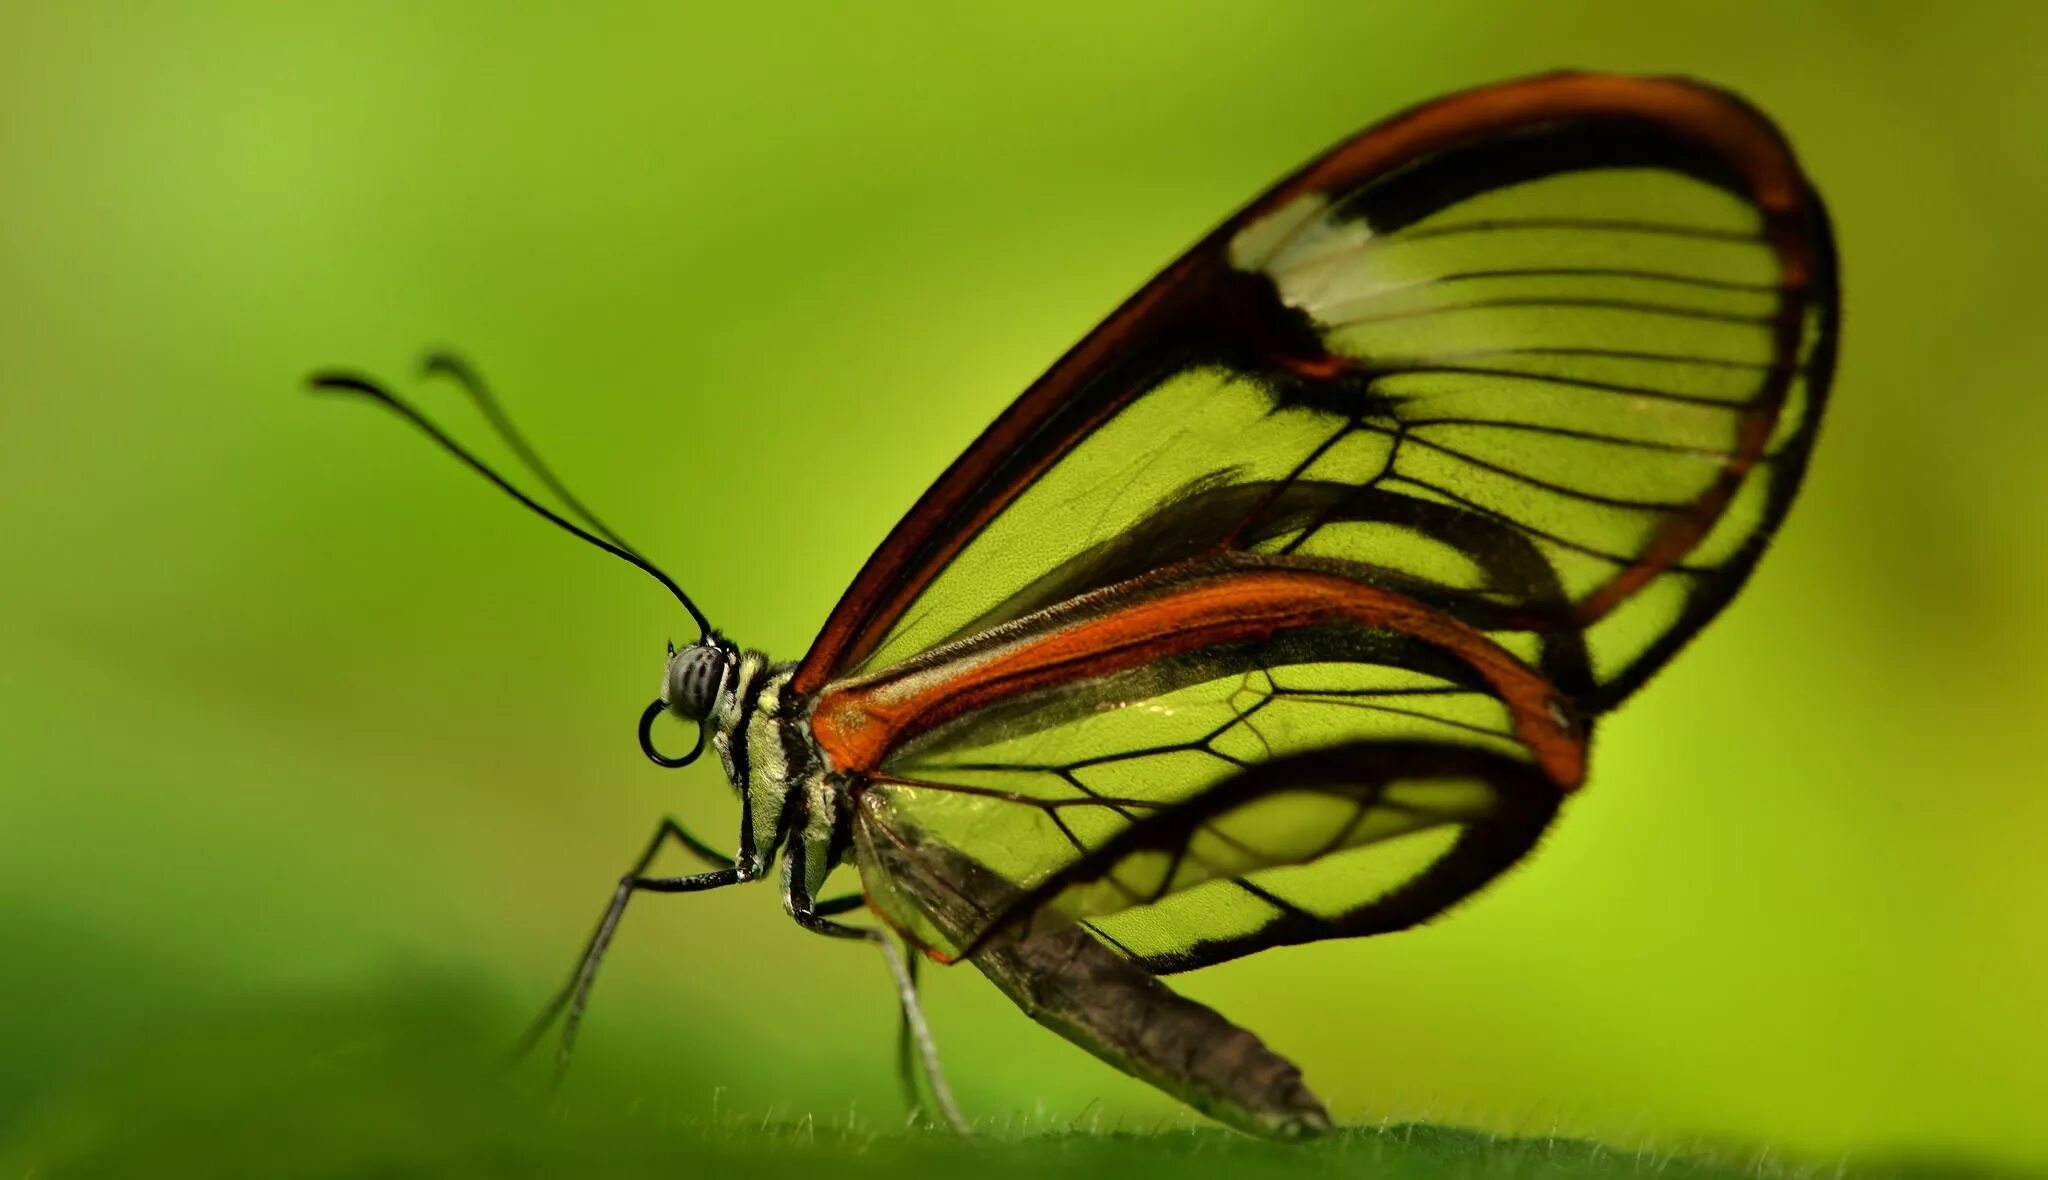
(1313, 259)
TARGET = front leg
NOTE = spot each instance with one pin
(575, 993)
(797, 899)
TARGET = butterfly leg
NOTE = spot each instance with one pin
(575, 993)
(797, 899)
(913, 1011)
(906, 1045)
(832, 907)
(906, 1049)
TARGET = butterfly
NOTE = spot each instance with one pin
(1283, 606)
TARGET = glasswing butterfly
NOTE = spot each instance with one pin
(1281, 608)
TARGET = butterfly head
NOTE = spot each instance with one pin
(695, 684)
(697, 676)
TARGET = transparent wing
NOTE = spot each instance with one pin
(1278, 609)
(1548, 356)
(1341, 842)
(1257, 753)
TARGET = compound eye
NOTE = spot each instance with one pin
(692, 683)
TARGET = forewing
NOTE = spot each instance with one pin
(1548, 356)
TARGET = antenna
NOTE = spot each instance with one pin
(598, 534)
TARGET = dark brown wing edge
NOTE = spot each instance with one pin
(1199, 296)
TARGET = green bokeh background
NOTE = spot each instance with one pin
(301, 728)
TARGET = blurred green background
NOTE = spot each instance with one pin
(311, 747)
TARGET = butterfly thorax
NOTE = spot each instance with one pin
(789, 797)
